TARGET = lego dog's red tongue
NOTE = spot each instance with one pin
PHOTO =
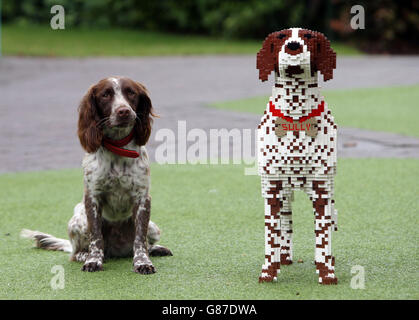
(293, 70)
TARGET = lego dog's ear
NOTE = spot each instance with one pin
(267, 57)
(324, 57)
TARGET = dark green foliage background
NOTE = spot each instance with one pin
(247, 18)
(390, 26)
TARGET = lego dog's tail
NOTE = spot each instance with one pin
(47, 241)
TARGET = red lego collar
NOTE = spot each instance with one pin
(313, 113)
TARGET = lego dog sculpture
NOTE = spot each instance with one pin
(297, 146)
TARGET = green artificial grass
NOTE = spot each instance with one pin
(394, 109)
(34, 40)
(212, 219)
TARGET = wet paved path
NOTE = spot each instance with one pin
(39, 98)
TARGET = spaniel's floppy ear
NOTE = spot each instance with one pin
(324, 57)
(144, 120)
(267, 57)
(89, 133)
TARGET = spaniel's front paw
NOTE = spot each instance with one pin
(144, 268)
(92, 266)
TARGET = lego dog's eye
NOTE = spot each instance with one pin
(281, 36)
(308, 36)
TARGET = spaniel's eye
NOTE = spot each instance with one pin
(106, 94)
(130, 92)
(308, 36)
(281, 36)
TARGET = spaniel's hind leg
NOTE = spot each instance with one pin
(273, 204)
(153, 236)
(77, 231)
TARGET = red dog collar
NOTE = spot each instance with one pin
(313, 113)
(114, 146)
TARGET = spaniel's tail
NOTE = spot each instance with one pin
(47, 241)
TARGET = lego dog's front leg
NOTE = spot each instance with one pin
(323, 205)
(273, 203)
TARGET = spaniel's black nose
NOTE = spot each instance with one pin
(293, 45)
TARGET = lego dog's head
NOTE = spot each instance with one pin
(296, 53)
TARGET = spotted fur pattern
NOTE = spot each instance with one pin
(297, 161)
(113, 219)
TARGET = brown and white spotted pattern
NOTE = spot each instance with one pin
(297, 161)
(113, 219)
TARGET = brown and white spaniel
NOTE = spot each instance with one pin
(297, 145)
(113, 220)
